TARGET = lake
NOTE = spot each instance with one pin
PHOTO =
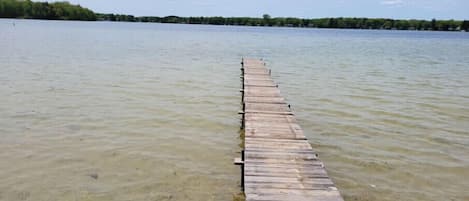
(136, 111)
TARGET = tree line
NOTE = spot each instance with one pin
(44, 10)
(66, 11)
(339, 23)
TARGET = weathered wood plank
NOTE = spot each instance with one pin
(318, 174)
(280, 155)
(261, 131)
(276, 191)
(267, 107)
(268, 112)
(281, 180)
(274, 140)
(271, 100)
(276, 126)
(254, 87)
(288, 185)
(275, 136)
(264, 76)
(261, 91)
(277, 133)
(279, 164)
(278, 137)
(277, 142)
(269, 118)
(284, 162)
(256, 71)
(284, 148)
(259, 82)
(283, 170)
(268, 194)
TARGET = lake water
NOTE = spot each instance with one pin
(134, 111)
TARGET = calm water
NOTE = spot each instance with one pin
(121, 111)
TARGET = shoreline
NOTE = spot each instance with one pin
(234, 25)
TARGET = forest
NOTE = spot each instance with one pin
(43, 10)
(338, 23)
(65, 11)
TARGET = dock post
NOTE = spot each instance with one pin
(242, 171)
(243, 116)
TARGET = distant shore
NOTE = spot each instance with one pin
(337, 23)
(66, 11)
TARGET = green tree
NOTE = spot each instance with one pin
(266, 20)
(433, 24)
(465, 25)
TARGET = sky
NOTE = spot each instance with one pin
(398, 9)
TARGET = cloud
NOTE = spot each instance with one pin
(392, 2)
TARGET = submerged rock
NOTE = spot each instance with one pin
(94, 175)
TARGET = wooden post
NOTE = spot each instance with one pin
(242, 171)
(240, 162)
(243, 116)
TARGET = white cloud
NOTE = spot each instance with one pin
(392, 2)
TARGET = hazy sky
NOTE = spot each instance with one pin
(416, 9)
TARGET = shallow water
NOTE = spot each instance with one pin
(134, 111)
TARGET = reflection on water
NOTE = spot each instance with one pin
(122, 111)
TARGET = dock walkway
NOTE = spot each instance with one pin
(278, 163)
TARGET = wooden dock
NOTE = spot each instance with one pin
(277, 163)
